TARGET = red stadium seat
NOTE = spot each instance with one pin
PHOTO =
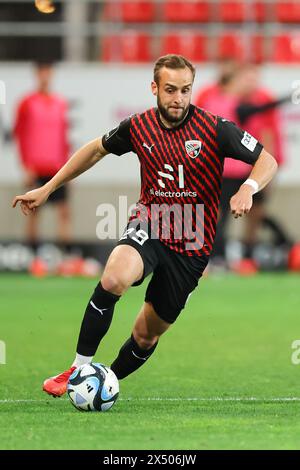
(136, 47)
(129, 11)
(130, 47)
(192, 46)
(137, 11)
(261, 11)
(286, 48)
(236, 46)
(257, 53)
(188, 11)
(232, 11)
(230, 46)
(110, 49)
(288, 11)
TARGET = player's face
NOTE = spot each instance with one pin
(248, 81)
(173, 92)
(44, 77)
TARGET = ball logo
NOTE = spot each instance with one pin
(193, 148)
(107, 392)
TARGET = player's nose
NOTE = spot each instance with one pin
(178, 99)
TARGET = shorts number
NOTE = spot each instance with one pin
(140, 235)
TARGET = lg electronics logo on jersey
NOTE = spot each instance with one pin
(2, 353)
(296, 354)
(2, 92)
(160, 193)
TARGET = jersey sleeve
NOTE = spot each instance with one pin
(118, 140)
(236, 143)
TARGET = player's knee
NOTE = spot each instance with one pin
(114, 284)
(66, 216)
(65, 213)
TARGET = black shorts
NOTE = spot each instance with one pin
(61, 194)
(174, 276)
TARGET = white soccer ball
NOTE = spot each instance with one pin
(93, 387)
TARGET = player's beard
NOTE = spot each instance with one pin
(170, 117)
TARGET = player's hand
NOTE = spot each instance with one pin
(241, 202)
(32, 199)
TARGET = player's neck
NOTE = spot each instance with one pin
(172, 125)
(44, 91)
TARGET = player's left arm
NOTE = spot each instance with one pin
(262, 173)
(240, 145)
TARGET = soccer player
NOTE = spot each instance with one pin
(41, 132)
(181, 149)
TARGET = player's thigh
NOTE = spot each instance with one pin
(173, 282)
(124, 267)
(148, 326)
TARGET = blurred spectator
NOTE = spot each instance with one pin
(41, 129)
(266, 127)
(227, 69)
(239, 85)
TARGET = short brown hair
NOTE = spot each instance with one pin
(172, 61)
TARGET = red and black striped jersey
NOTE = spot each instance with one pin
(181, 172)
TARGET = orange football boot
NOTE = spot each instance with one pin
(57, 385)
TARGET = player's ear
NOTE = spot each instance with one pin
(154, 88)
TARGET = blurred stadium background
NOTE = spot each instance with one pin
(104, 53)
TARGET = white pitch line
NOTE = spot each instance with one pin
(199, 399)
(250, 399)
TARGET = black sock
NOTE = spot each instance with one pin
(130, 358)
(96, 321)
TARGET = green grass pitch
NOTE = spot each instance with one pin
(221, 378)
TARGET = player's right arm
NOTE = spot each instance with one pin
(116, 141)
(82, 160)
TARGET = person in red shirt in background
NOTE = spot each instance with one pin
(238, 84)
(266, 127)
(41, 133)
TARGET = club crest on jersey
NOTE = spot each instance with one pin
(193, 147)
